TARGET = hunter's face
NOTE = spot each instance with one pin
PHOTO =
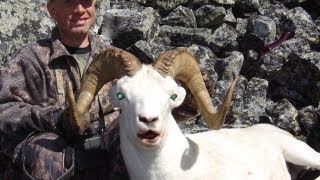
(72, 16)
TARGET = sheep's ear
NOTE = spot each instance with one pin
(178, 97)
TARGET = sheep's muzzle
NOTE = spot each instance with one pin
(149, 138)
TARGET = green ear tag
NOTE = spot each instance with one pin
(120, 96)
(174, 97)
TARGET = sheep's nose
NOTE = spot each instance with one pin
(147, 120)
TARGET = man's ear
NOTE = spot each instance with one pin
(51, 10)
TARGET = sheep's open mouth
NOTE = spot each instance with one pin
(148, 135)
(150, 139)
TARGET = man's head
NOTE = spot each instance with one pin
(73, 17)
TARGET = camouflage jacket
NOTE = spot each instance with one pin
(29, 94)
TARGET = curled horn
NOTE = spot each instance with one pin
(182, 65)
(111, 64)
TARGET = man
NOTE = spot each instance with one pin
(32, 100)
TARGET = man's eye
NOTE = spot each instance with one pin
(86, 2)
(68, 2)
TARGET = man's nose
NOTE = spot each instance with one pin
(79, 8)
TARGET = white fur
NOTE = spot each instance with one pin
(259, 152)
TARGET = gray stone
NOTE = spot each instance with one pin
(263, 27)
(210, 16)
(227, 69)
(317, 22)
(224, 2)
(247, 6)
(273, 87)
(225, 37)
(22, 22)
(250, 64)
(181, 16)
(298, 80)
(303, 24)
(241, 26)
(292, 3)
(101, 7)
(235, 115)
(123, 4)
(204, 55)
(309, 117)
(207, 60)
(131, 25)
(148, 51)
(254, 101)
(231, 65)
(273, 10)
(163, 6)
(285, 116)
(274, 60)
(184, 37)
(230, 18)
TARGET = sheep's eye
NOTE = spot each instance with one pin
(174, 97)
(120, 95)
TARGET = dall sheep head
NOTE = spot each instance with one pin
(146, 100)
(115, 63)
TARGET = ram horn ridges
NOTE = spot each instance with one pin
(111, 64)
(182, 65)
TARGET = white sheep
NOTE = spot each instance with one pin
(153, 146)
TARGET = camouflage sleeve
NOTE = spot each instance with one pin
(26, 101)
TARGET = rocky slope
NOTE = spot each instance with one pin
(272, 44)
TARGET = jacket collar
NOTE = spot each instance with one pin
(58, 49)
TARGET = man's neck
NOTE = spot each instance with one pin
(80, 40)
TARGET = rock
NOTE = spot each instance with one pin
(22, 22)
(148, 51)
(230, 18)
(132, 25)
(124, 4)
(207, 62)
(241, 26)
(181, 16)
(164, 6)
(292, 3)
(184, 37)
(298, 80)
(250, 64)
(284, 116)
(243, 7)
(309, 117)
(254, 101)
(210, 16)
(224, 2)
(303, 24)
(263, 27)
(274, 60)
(225, 37)
(279, 86)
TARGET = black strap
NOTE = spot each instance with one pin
(65, 176)
(102, 126)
